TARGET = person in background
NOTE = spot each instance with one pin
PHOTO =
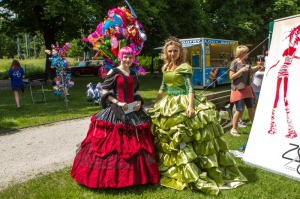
(118, 150)
(190, 149)
(256, 83)
(241, 123)
(241, 93)
(257, 78)
(16, 75)
(256, 86)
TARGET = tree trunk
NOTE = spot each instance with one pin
(49, 36)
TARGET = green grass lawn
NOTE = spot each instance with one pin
(261, 183)
(30, 66)
(55, 109)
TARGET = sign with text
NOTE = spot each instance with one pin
(274, 140)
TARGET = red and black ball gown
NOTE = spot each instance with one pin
(118, 150)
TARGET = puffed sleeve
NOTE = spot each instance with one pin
(108, 84)
(185, 68)
(109, 81)
(187, 73)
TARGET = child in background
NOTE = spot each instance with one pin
(257, 78)
(16, 75)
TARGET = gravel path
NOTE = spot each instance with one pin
(29, 152)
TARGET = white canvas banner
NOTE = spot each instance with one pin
(274, 140)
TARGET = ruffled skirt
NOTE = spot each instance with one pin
(116, 154)
(191, 151)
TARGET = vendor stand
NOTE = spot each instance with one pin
(210, 59)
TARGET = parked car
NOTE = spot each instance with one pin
(85, 68)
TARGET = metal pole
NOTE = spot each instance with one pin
(64, 88)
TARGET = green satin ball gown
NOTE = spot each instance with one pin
(190, 151)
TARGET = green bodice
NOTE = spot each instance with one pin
(177, 82)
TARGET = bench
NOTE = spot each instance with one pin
(35, 77)
(222, 101)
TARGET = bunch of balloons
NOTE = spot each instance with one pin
(58, 55)
(62, 80)
(120, 28)
(62, 85)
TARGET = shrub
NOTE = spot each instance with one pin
(4, 74)
(146, 61)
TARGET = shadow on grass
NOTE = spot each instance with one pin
(137, 189)
(5, 131)
(249, 172)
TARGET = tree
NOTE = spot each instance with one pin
(247, 20)
(57, 20)
(243, 20)
(66, 20)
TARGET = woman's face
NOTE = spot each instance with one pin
(260, 62)
(173, 52)
(127, 60)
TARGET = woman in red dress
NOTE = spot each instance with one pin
(118, 150)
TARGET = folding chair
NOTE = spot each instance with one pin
(37, 89)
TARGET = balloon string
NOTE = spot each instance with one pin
(229, 68)
(131, 9)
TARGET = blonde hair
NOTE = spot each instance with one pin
(182, 54)
(241, 50)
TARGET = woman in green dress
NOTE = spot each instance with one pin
(188, 136)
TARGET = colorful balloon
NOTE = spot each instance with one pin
(114, 42)
(123, 43)
(112, 20)
(108, 53)
(114, 52)
(107, 42)
(120, 28)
